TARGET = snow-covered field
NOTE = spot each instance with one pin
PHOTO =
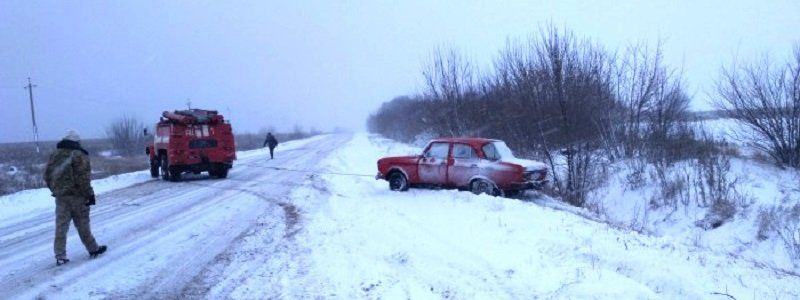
(323, 227)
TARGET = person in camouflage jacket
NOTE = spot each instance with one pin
(68, 176)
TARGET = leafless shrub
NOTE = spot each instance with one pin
(673, 190)
(714, 189)
(766, 223)
(585, 172)
(636, 178)
(712, 183)
(765, 98)
(785, 224)
(126, 135)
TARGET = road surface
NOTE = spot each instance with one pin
(202, 237)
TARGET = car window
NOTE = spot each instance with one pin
(491, 152)
(438, 150)
(463, 151)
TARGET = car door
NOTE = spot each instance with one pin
(493, 168)
(465, 165)
(433, 164)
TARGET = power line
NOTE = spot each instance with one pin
(30, 87)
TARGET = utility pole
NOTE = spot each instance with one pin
(188, 103)
(30, 87)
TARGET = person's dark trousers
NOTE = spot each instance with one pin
(271, 149)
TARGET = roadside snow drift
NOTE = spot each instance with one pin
(366, 241)
(24, 203)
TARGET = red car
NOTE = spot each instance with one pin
(484, 166)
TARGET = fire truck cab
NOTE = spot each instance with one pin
(192, 140)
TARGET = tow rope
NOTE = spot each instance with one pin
(318, 172)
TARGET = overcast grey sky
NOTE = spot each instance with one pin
(319, 64)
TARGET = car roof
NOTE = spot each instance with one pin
(466, 140)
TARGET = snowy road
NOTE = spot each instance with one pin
(170, 240)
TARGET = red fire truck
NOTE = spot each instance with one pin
(192, 140)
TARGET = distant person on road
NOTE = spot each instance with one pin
(272, 143)
(68, 176)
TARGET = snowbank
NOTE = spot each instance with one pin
(32, 201)
(366, 241)
(762, 186)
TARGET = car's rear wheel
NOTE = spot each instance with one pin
(480, 186)
(398, 181)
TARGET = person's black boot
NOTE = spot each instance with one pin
(100, 250)
(61, 261)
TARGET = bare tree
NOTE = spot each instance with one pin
(450, 78)
(126, 135)
(651, 98)
(765, 98)
(576, 87)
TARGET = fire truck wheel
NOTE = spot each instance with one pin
(219, 171)
(154, 168)
(164, 167)
(174, 174)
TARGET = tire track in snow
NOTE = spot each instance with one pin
(271, 264)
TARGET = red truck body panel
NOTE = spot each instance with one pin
(193, 141)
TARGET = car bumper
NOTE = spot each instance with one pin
(529, 185)
(379, 176)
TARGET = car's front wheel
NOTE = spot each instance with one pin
(398, 181)
(480, 186)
